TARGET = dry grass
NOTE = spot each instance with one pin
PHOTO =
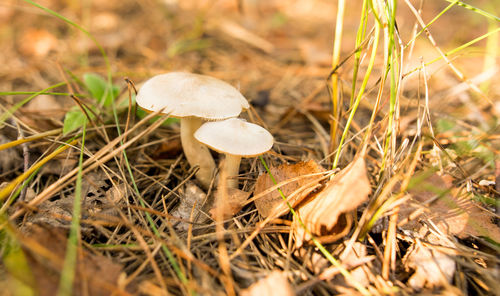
(428, 133)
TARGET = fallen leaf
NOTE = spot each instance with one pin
(100, 202)
(432, 268)
(272, 202)
(450, 209)
(56, 214)
(358, 274)
(230, 204)
(275, 284)
(190, 205)
(107, 206)
(321, 213)
(44, 248)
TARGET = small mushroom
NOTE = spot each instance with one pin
(193, 98)
(235, 138)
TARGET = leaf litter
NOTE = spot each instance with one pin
(44, 246)
(446, 241)
(449, 208)
(272, 202)
(322, 212)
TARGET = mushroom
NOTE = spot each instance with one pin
(235, 138)
(193, 98)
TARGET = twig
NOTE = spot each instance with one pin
(26, 158)
(130, 85)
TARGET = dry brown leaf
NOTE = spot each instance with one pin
(190, 205)
(322, 212)
(432, 268)
(272, 202)
(100, 202)
(117, 194)
(351, 258)
(44, 248)
(56, 213)
(454, 213)
(104, 207)
(231, 204)
(275, 284)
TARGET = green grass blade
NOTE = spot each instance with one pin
(360, 36)
(4, 116)
(432, 21)
(371, 63)
(457, 49)
(165, 250)
(15, 93)
(69, 267)
(476, 10)
(392, 67)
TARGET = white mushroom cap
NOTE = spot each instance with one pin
(235, 136)
(186, 94)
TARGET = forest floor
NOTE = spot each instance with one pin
(409, 203)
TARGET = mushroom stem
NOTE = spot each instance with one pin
(231, 169)
(196, 152)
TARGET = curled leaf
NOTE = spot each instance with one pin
(272, 202)
(322, 213)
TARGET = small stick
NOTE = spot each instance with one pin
(26, 157)
(390, 245)
(130, 86)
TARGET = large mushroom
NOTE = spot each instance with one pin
(193, 98)
(235, 138)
